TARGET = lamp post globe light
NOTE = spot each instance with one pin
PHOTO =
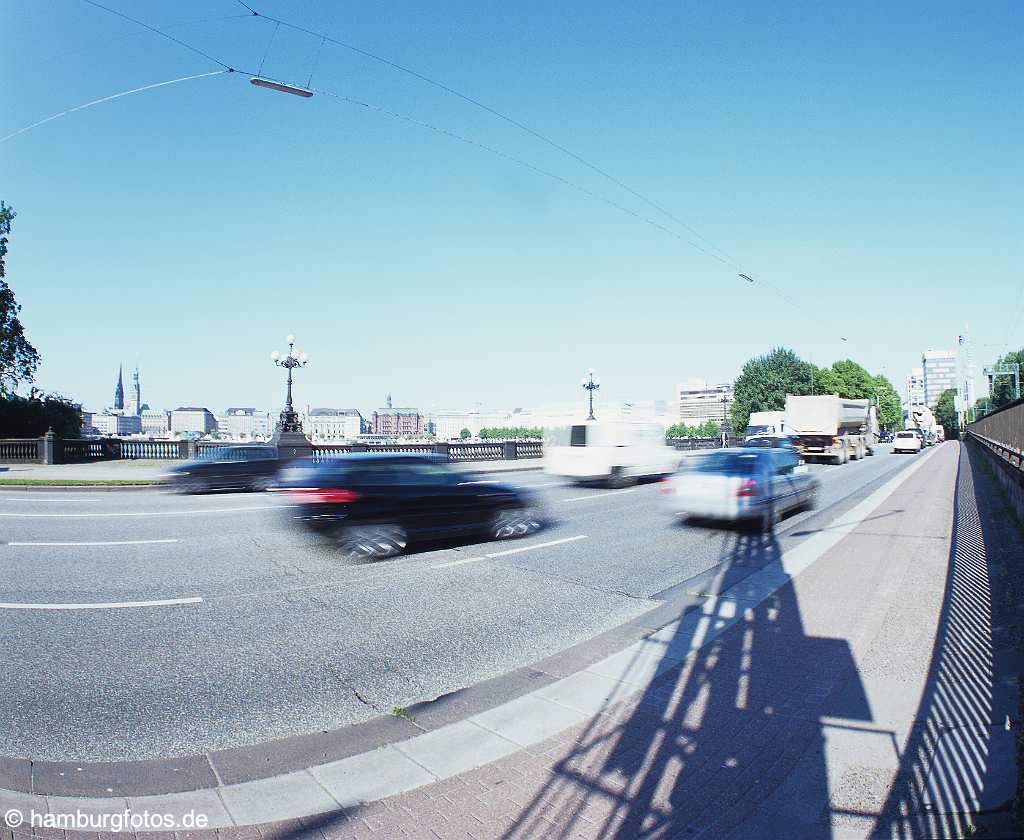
(590, 384)
(288, 432)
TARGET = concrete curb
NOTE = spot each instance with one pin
(484, 736)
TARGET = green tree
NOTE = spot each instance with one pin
(1002, 386)
(34, 415)
(945, 413)
(465, 434)
(18, 358)
(852, 381)
(890, 409)
(764, 383)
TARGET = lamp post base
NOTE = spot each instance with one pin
(291, 444)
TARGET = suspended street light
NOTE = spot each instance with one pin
(292, 89)
(747, 278)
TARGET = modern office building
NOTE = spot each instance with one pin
(699, 402)
(915, 387)
(116, 425)
(333, 425)
(940, 373)
(246, 423)
(193, 419)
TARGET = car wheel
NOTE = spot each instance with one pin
(619, 479)
(515, 522)
(376, 541)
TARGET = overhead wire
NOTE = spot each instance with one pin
(715, 252)
(518, 161)
(159, 32)
(500, 115)
(103, 99)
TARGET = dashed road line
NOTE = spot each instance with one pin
(142, 513)
(99, 542)
(600, 495)
(518, 550)
(103, 605)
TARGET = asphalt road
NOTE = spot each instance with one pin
(269, 634)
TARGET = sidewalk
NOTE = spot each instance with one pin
(856, 686)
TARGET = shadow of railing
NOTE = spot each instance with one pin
(956, 759)
(736, 702)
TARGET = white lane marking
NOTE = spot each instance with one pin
(103, 542)
(107, 605)
(600, 495)
(538, 545)
(510, 551)
(43, 499)
(146, 513)
(455, 563)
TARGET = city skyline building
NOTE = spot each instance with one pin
(119, 390)
(940, 374)
(698, 402)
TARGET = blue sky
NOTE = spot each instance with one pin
(861, 159)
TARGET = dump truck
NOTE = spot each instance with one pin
(830, 428)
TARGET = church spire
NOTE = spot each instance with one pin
(119, 390)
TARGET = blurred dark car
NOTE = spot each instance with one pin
(751, 484)
(372, 506)
(241, 467)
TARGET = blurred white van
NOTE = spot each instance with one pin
(617, 453)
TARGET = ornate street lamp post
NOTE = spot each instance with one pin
(288, 432)
(725, 419)
(590, 385)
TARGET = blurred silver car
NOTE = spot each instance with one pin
(752, 485)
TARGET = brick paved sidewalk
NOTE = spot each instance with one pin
(795, 722)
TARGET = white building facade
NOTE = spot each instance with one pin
(155, 423)
(193, 419)
(246, 424)
(333, 425)
(117, 425)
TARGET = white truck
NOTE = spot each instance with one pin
(614, 453)
(921, 417)
(766, 424)
(828, 427)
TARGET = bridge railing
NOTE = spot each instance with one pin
(53, 450)
(1001, 434)
(687, 444)
(21, 450)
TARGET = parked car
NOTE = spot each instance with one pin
(908, 441)
(756, 485)
(237, 467)
(373, 506)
